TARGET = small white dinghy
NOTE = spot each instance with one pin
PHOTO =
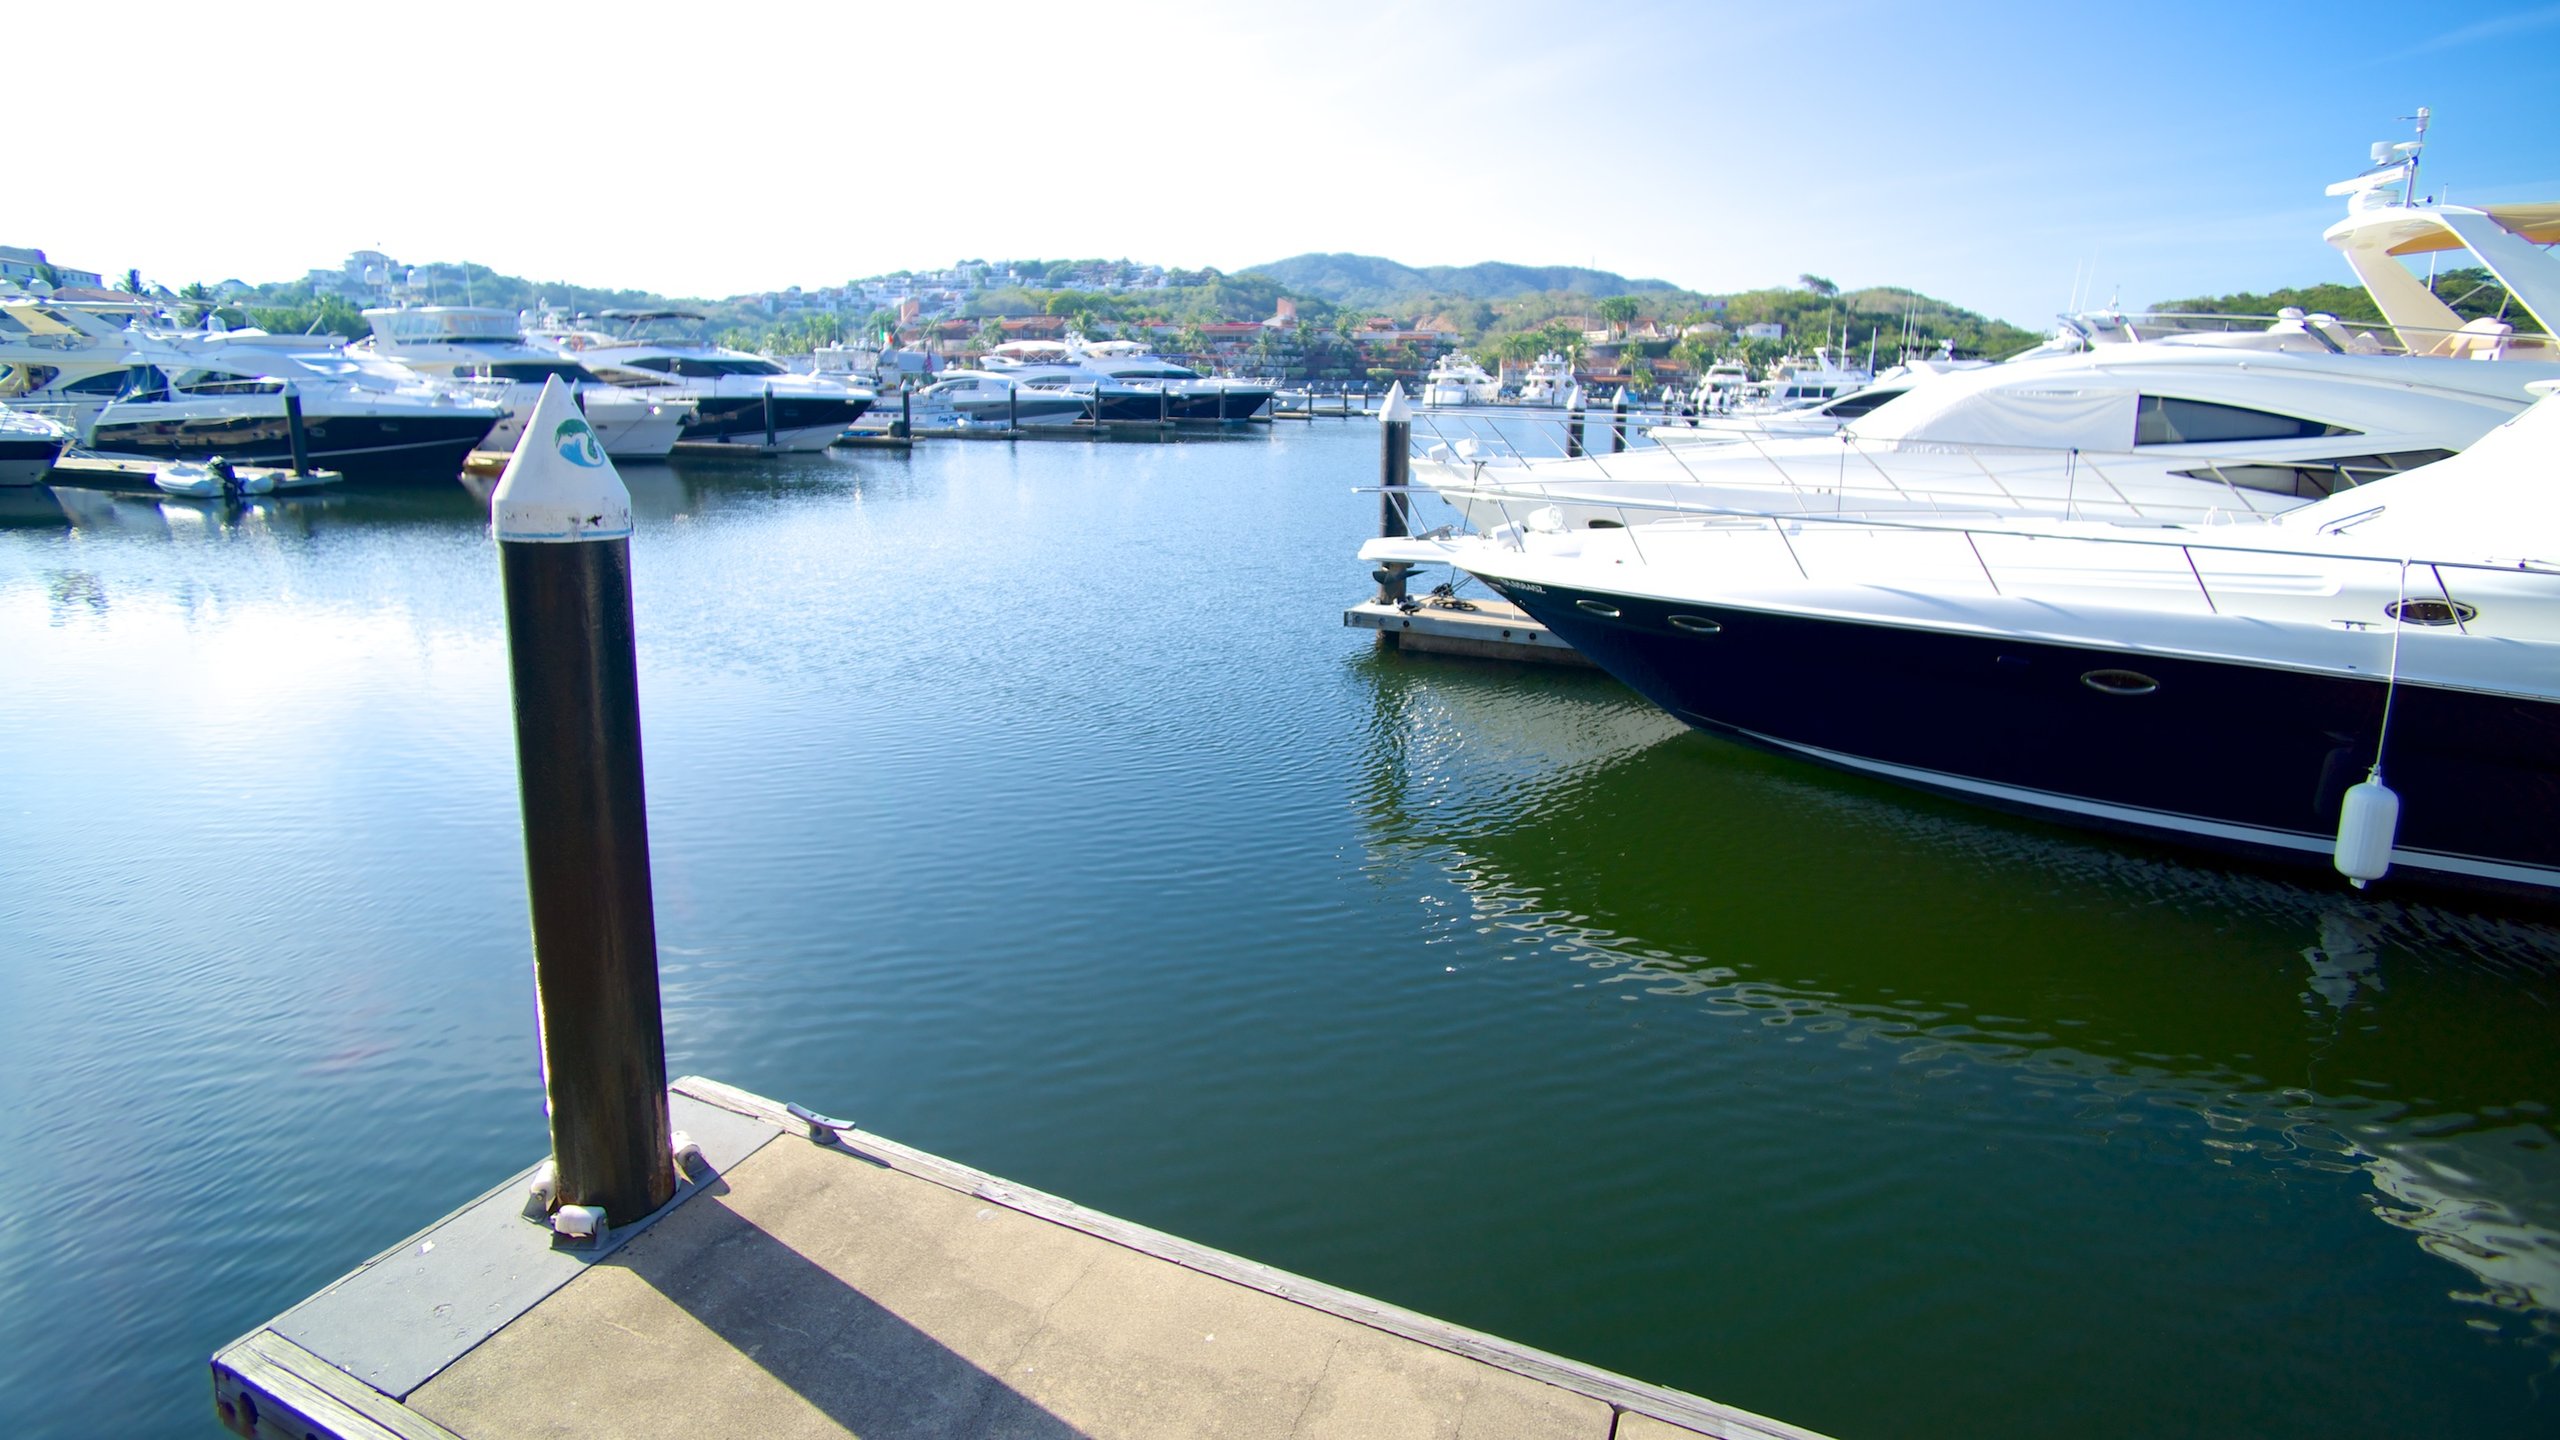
(211, 479)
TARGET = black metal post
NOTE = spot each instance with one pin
(1573, 424)
(906, 412)
(564, 557)
(1012, 406)
(293, 431)
(768, 417)
(1618, 422)
(1395, 472)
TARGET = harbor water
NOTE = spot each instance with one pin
(1030, 804)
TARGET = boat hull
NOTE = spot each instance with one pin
(800, 422)
(27, 460)
(2242, 758)
(1230, 404)
(421, 447)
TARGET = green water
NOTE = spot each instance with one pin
(1031, 804)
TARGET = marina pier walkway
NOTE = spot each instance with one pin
(798, 1287)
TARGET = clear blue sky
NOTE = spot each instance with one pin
(1990, 154)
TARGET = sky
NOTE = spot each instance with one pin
(2011, 158)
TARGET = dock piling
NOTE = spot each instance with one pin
(1618, 422)
(768, 417)
(293, 430)
(1573, 423)
(563, 526)
(1395, 472)
(906, 413)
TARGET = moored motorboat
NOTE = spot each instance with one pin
(29, 444)
(739, 399)
(2221, 685)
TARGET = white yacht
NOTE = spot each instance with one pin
(739, 399)
(1725, 385)
(29, 444)
(1548, 381)
(481, 350)
(2374, 676)
(1127, 382)
(989, 397)
(64, 361)
(1796, 380)
(1458, 380)
(2173, 427)
(1798, 421)
(190, 397)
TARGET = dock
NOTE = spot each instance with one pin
(1487, 629)
(813, 1281)
(135, 473)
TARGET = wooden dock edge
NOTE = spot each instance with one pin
(1621, 1393)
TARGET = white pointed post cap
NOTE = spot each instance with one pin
(560, 487)
(1396, 410)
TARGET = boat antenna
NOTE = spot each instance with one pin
(2409, 183)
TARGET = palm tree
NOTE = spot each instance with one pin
(131, 284)
(1618, 311)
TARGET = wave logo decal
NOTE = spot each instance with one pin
(578, 444)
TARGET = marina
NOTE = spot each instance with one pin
(991, 791)
(2094, 1066)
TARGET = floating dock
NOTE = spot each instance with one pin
(134, 473)
(811, 1281)
(1487, 629)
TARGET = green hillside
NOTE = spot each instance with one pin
(2470, 292)
(1369, 282)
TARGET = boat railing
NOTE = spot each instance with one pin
(1843, 471)
(2015, 558)
(2507, 337)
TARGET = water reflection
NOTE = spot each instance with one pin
(2058, 983)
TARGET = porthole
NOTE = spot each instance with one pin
(2119, 682)
(2431, 612)
(1600, 608)
(1603, 525)
(1695, 624)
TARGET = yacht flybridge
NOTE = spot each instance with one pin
(480, 350)
(739, 399)
(1459, 380)
(64, 361)
(1127, 382)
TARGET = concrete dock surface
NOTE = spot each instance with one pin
(799, 1288)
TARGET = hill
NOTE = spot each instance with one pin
(2472, 293)
(1369, 282)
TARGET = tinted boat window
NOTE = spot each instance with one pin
(537, 371)
(1850, 407)
(2162, 420)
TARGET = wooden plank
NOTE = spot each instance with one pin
(1676, 1407)
(265, 1385)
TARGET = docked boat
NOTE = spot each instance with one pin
(480, 350)
(1548, 381)
(29, 444)
(65, 361)
(2373, 677)
(2168, 426)
(739, 399)
(1458, 380)
(1125, 382)
(1725, 385)
(988, 397)
(1798, 380)
(192, 397)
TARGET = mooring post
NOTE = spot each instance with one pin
(906, 411)
(1573, 423)
(1164, 404)
(293, 432)
(1395, 472)
(1618, 422)
(563, 524)
(1012, 406)
(768, 417)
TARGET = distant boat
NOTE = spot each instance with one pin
(988, 397)
(1126, 382)
(738, 398)
(1548, 381)
(1458, 380)
(28, 446)
(481, 351)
